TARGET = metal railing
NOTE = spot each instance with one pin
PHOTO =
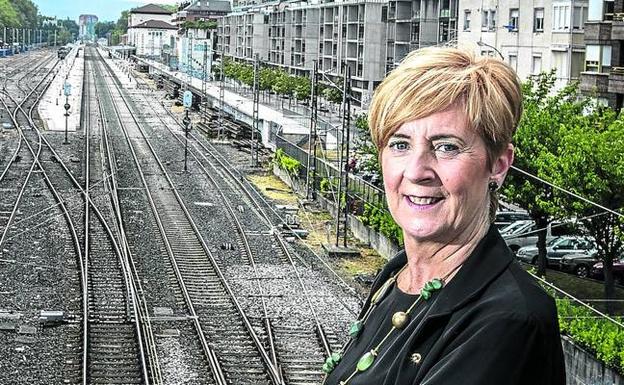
(357, 188)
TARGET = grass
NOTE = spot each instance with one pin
(320, 225)
(589, 291)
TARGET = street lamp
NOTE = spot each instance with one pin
(67, 90)
(481, 43)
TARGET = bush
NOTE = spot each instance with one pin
(378, 218)
(599, 336)
(290, 165)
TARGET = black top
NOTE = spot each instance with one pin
(492, 324)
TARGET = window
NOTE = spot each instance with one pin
(514, 14)
(467, 20)
(608, 10)
(536, 66)
(561, 18)
(598, 58)
(513, 61)
(560, 63)
(384, 14)
(488, 20)
(579, 17)
(538, 20)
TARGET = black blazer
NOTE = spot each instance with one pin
(491, 325)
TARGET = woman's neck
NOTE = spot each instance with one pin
(428, 260)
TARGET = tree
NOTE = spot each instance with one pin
(27, 13)
(537, 142)
(332, 94)
(103, 28)
(8, 14)
(302, 87)
(593, 167)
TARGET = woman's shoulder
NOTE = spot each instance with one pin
(516, 295)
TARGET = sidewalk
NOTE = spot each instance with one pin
(50, 108)
(240, 106)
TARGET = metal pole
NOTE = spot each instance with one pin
(311, 174)
(221, 93)
(347, 123)
(256, 97)
(340, 146)
(186, 122)
(66, 117)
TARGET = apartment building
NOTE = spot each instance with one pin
(603, 76)
(531, 36)
(368, 36)
(418, 23)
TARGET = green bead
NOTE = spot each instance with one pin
(335, 356)
(366, 361)
(327, 368)
(425, 294)
(437, 284)
(356, 328)
(428, 286)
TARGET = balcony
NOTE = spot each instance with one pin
(617, 28)
(594, 82)
(616, 80)
(597, 32)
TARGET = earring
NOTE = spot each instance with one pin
(492, 186)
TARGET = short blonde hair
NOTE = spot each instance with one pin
(434, 79)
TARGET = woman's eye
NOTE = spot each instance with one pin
(400, 146)
(446, 147)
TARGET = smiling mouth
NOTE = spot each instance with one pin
(423, 201)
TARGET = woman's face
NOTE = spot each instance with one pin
(436, 177)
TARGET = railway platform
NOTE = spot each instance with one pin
(51, 108)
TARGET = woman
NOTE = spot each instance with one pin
(453, 307)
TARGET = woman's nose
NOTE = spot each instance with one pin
(419, 166)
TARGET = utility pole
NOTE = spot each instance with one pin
(204, 100)
(255, 117)
(346, 127)
(221, 93)
(343, 160)
(311, 174)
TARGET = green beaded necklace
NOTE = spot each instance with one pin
(399, 320)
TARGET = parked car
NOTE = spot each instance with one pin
(528, 235)
(556, 249)
(505, 218)
(518, 227)
(618, 271)
(579, 264)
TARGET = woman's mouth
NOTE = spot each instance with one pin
(422, 202)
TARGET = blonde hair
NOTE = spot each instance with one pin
(434, 79)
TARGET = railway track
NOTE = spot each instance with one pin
(301, 345)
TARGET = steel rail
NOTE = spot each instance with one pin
(109, 163)
(210, 355)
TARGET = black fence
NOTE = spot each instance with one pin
(358, 188)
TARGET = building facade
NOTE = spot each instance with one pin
(531, 36)
(367, 36)
(603, 76)
(86, 25)
(150, 30)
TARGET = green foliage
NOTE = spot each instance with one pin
(286, 163)
(27, 13)
(200, 24)
(302, 87)
(102, 28)
(8, 14)
(378, 218)
(601, 337)
(332, 94)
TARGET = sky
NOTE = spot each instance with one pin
(105, 10)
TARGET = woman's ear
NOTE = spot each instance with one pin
(501, 164)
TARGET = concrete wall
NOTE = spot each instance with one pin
(377, 241)
(583, 369)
